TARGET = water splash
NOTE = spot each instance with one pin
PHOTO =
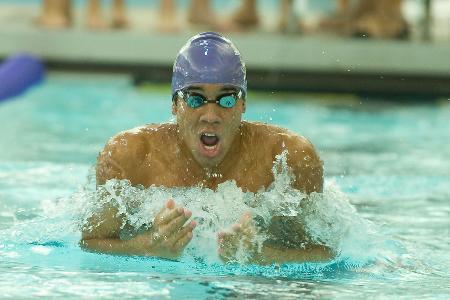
(328, 218)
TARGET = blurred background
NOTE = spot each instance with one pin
(385, 47)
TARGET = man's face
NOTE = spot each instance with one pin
(209, 130)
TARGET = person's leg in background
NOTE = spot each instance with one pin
(380, 19)
(94, 15)
(289, 21)
(399, 27)
(55, 14)
(340, 22)
(167, 16)
(245, 17)
(119, 15)
(368, 19)
(202, 13)
(68, 11)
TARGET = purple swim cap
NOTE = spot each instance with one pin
(208, 57)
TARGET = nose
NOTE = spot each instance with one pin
(210, 114)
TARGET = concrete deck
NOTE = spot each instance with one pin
(292, 62)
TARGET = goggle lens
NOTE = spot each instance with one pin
(197, 100)
(227, 101)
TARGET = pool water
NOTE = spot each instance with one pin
(387, 198)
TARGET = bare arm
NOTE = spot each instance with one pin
(288, 240)
(101, 234)
(313, 253)
(166, 238)
(243, 234)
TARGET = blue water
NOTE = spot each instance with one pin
(391, 161)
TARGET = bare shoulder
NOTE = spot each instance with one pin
(127, 149)
(281, 138)
(302, 156)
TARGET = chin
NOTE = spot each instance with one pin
(209, 163)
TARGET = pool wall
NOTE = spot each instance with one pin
(274, 61)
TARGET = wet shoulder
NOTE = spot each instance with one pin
(279, 139)
(134, 144)
(302, 157)
(143, 135)
(124, 153)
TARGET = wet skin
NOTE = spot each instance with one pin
(175, 155)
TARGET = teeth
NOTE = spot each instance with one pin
(210, 147)
(209, 134)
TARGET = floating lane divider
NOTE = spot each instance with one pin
(18, 73)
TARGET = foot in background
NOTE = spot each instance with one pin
(119, 16)
(201, 14)
(95, 20)
(368, 18)
(55, 14)
(384, 20)
(243, 19)
(341, 21)
(288, 22)
(167, 17)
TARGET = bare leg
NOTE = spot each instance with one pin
(360, 11)
(368, 18)
(340, 22)
(201, 13)
(94, 15)
(288, 20)
(68, 10)
(396, 26)
(167, 16)
(119, 18)
(55, 14)
(246, 16)
(383, 19)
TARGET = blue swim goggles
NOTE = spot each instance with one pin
(195, 100)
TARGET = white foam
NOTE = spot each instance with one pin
(328, 218)
(41, 250)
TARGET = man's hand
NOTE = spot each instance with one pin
(241, 236)
(168, 237)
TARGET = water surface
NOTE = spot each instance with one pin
(389, 160)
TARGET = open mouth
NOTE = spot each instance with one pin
(209, 140)
(209, 144)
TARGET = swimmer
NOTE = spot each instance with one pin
(209, 137)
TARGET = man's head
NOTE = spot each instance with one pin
(208, 87)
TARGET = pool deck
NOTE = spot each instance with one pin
(274, 61)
